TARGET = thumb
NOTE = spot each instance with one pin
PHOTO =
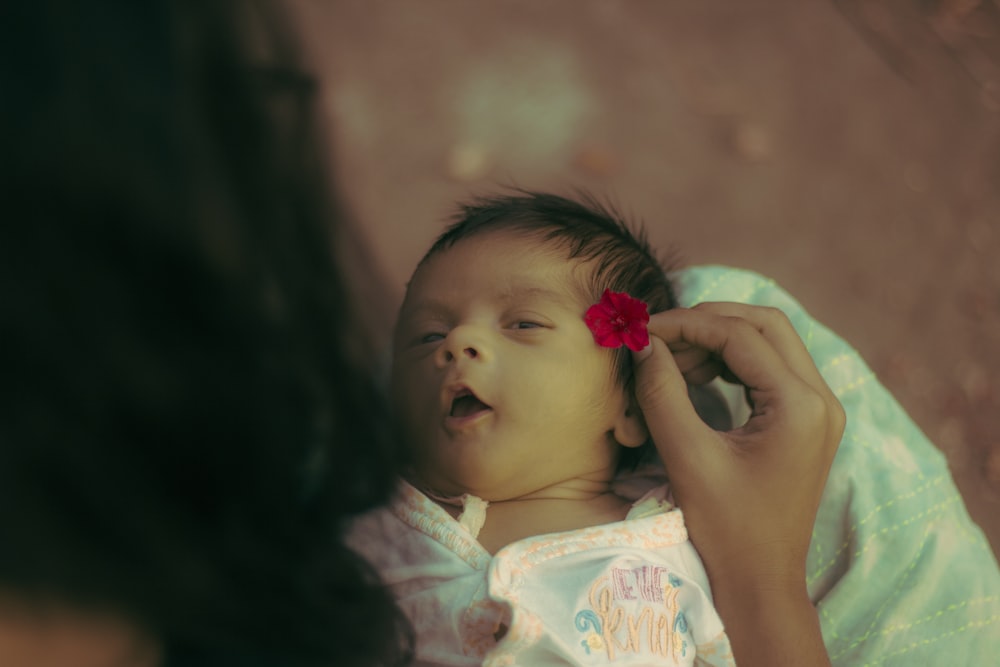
(662, 395)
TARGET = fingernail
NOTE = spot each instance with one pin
(642, 354)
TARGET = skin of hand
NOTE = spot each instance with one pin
(749, 495)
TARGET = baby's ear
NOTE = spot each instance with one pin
(630, 429)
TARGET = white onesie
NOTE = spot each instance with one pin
(633, 592)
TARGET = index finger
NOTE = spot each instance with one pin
(740, 345)
(775, 326)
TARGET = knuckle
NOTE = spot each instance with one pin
(739, 325)
(810, 405)
(705, 305)
(818, 414)
(775, 317)
(838, 416)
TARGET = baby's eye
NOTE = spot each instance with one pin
(430, 338)
(528, 325)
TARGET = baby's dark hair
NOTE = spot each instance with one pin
(591, 231)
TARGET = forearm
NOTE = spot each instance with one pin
(771, 627)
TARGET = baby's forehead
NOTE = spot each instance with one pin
(527, 246)
(503, 265)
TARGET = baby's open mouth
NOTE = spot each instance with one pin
(466, 404)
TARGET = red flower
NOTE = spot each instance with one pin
(618, 319)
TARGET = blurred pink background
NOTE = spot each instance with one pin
(849, 150)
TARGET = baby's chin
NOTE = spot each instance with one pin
(437, 486)
(449, 490)
(445, 474)
(519, 484)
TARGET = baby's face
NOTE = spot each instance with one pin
(499, 385)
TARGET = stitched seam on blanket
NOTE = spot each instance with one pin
(711, 287)
(972, 625)
(752, 292)
(937, 481)
(853, 385)
(938, 615)
(934, 509)
(830, 625)
(836, 361)
(899, 586)
(881, 452)
(816, 544)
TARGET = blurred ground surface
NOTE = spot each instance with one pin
(850, 150)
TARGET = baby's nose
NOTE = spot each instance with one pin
(462, 343)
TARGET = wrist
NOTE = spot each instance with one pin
(771, 622)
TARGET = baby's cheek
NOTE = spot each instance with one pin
(418, 415)
(405, 390)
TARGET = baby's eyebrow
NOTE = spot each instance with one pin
(431, 308)
(532, 292)
(425, 308)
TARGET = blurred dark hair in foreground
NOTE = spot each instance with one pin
(187, 413)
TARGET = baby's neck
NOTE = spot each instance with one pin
(512, 520)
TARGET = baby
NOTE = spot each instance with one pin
(509, 543)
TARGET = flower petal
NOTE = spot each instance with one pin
(618, 319)
(636, 337)
(610, 340)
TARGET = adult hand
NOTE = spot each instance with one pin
(749, 495)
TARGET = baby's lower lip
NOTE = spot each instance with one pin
(465, 420)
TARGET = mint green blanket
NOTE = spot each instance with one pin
(898, 571)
